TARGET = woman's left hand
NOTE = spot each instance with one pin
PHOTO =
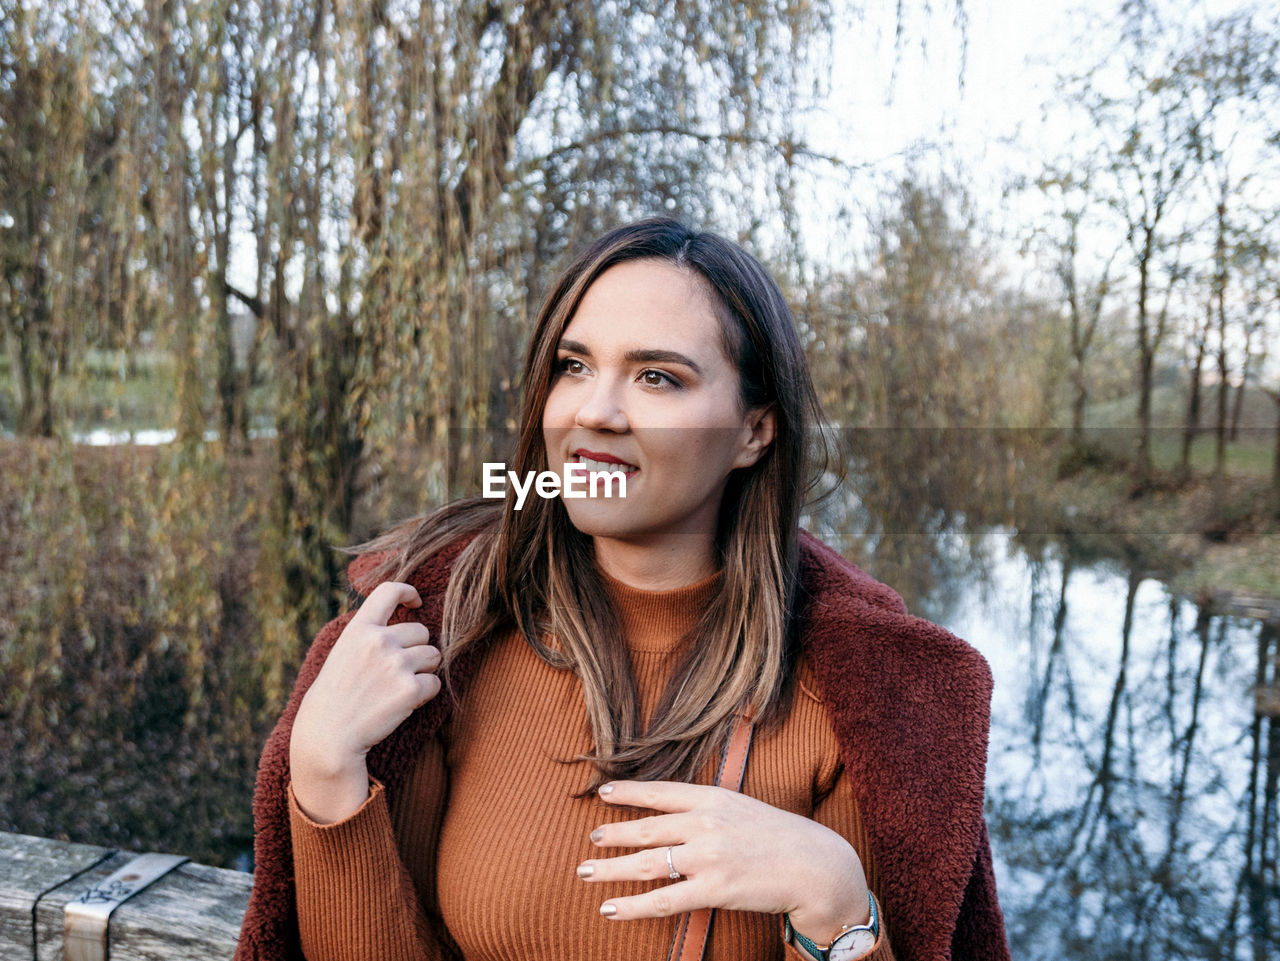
(732, 852)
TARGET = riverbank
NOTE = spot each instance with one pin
(1215, 541)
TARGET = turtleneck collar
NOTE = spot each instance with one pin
(655, 621)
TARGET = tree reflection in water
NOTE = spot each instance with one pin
(1133, 778)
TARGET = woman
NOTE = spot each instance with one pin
(564, 796)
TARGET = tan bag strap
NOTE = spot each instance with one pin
(690, 943)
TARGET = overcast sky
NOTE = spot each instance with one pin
(976, 93)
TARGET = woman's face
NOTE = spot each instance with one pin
(642, 384)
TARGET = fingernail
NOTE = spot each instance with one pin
(606, 789)
(585, 870)
(608, 910)
(597, 835)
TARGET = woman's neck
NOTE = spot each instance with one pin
(674, 562)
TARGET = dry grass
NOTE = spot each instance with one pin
(126, 720)
(1207, 536)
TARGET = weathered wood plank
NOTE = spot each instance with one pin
(30, 866)
(195, 914)
(191, 914)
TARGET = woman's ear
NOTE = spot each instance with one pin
(759, 427)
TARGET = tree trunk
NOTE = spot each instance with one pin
(1238, 405)
(1220, 425)
(1079, 397)
(1146, 364)
(34, 359)
(230, 386)
(1146, 379)
(32, 350)
(175, 227)
(1192, 425)
(1078, 345)
(1220, 294)
(1275, 464)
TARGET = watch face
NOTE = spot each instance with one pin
(852, 944)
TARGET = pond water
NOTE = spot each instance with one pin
(1132, 785)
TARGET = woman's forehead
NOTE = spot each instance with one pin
(646, 305)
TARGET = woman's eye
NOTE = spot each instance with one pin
(571, 365)
(656, 378)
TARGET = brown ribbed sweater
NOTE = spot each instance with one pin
(476, 855)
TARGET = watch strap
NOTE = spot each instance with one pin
(848, 934)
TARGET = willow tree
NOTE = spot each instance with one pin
(54, 134)
(380, 189)
(415, 171)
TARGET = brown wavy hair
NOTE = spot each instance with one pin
(533, 571)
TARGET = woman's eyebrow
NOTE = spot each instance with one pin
(661, 357)
(574, 347)
(644, 356)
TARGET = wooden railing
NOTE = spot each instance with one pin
(191, 913)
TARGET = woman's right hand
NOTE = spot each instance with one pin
(375, 677)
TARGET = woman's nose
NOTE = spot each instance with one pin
(602, 410)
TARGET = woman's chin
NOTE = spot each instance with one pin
(600, 518)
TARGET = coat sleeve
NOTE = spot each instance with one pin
(269, 931)
(980, 933)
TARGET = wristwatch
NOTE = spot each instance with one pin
(851, 941)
